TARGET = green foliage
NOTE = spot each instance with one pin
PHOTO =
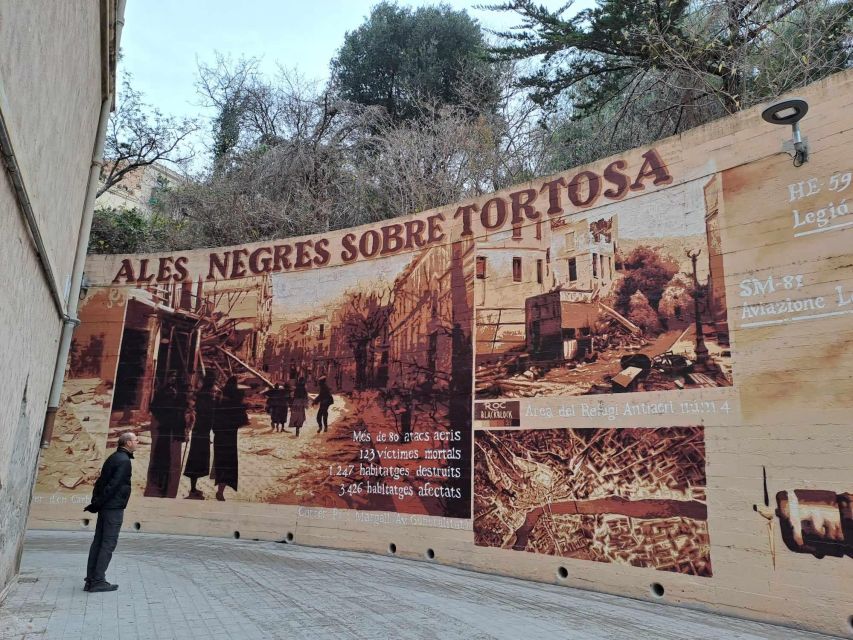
(126, 231)
(401, 58)
(419, 114)
(658, 68)
(226, 130)
(593, 52)
(160, 191)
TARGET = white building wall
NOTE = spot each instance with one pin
(50, 78)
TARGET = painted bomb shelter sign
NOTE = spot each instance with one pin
(551, 369)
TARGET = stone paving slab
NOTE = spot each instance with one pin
(183, 587)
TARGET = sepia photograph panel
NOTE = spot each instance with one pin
(627, 496)
(626, 297)
(345, 387)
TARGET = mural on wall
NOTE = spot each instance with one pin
(627, 297)
(550, 365)
(80, 437)
(348, 387)
(816, 521)
(338, 371)
(629, 496)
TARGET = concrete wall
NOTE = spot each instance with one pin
(50, 74)
(717, 478)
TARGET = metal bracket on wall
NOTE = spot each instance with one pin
(799, 151)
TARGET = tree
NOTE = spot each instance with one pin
(645, 271)
(640, 312)
(308, 162)
(139, 135)
(399, 58)
(126, 231)
(668, 66)
(676, 302)
(226, 87)
(364, 319)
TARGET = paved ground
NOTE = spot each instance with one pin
(191, 587)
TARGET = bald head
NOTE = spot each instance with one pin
(127, 440)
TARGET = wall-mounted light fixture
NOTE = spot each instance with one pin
(790, 111)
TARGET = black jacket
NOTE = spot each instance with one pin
(112, 489)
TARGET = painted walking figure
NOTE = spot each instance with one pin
(109, 499)
(198, 459)
(168, 433)
(298, 405)
(278, 401)
(229, 416)
(325, 400)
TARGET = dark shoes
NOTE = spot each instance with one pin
(100, 587)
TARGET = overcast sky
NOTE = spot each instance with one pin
(163, 39)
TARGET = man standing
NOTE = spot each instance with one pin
(109, 499)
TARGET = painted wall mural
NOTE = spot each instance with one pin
(816, 521)
(629, 299)
(631, 496)
(234, 385)
(595, 371)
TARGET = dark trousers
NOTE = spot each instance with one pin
(106, 538)
(323, 417)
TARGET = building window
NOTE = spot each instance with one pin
(570, 241)
(539, 271)
(481, 268)
(573, 269)
(610, 267)
(322, 331)
(594, 265)
(516, 269)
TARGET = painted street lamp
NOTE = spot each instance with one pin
(701, 349)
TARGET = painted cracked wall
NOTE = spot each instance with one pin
(628, 377)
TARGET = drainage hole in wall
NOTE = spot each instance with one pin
(85, 522)
(392, 548)
(289, 537)
(430, 554)
(657, 589)
(137, 526)
(563, 573)
(236, 535)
